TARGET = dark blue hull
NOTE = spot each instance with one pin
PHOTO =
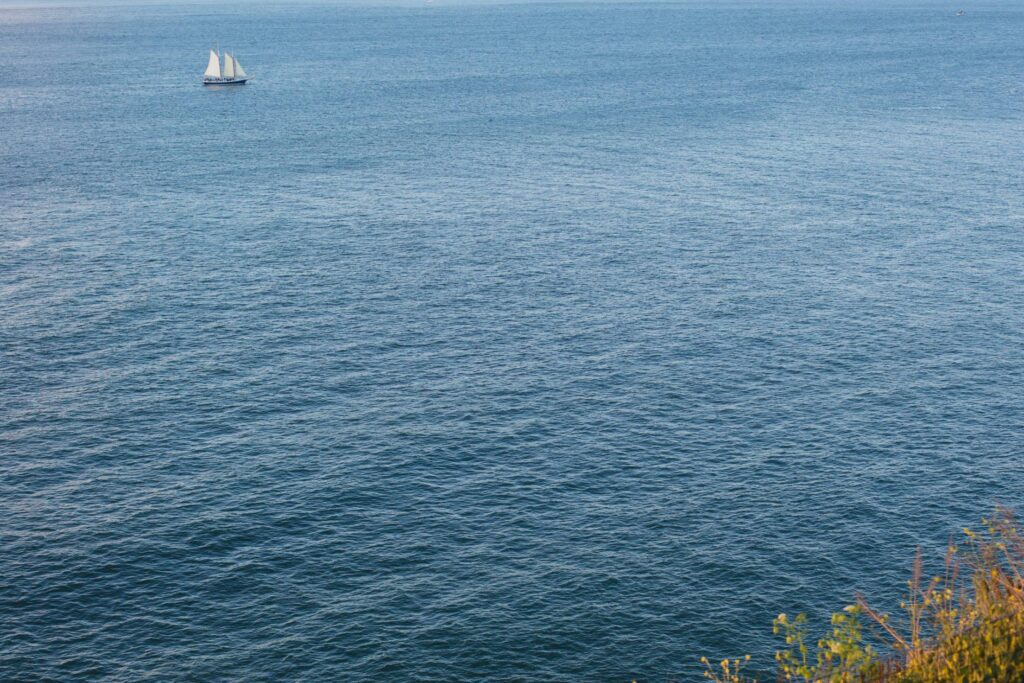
(224, 81)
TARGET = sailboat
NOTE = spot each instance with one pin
(233, 73)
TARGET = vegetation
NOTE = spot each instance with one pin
(965, 626)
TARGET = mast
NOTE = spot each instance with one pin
(229, 66)
(213, 66)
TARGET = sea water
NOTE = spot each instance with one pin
(509, 342)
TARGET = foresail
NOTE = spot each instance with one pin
(213, 67)
(229, 66)
(239, 72)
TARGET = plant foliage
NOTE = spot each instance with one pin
(964, 626)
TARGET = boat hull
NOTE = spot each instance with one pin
(224, 81)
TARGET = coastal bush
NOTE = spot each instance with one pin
(964, 626)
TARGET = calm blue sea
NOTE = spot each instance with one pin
(522, 342)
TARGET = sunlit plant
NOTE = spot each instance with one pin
(965, 626)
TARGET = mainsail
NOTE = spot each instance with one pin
(229, 66)
(239, 72)
(213, 67)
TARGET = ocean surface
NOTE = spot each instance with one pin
(521, 342)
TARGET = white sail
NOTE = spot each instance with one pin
(213, 67)
(239, 72)
(229, 66)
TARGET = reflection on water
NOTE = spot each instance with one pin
(222, 87)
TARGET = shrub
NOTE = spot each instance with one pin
(966, 626)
